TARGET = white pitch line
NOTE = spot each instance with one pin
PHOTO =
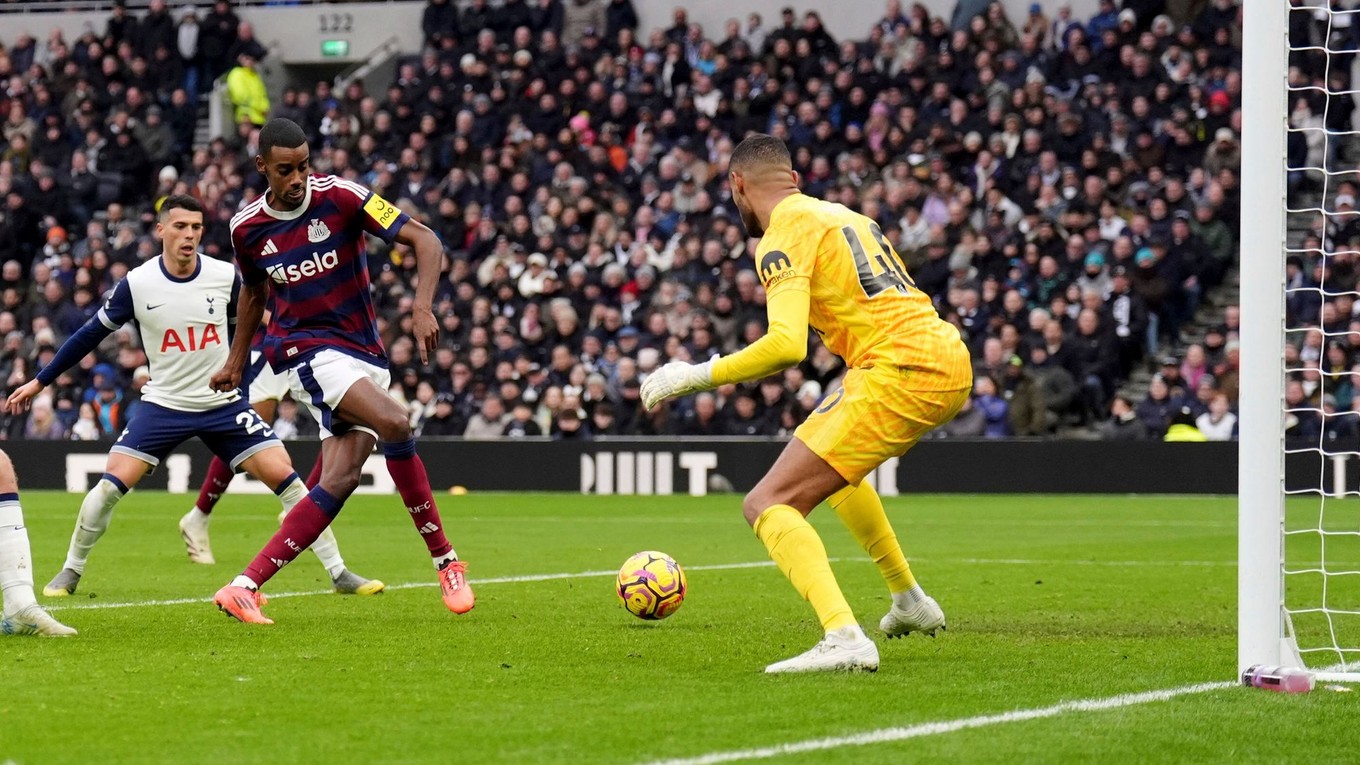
(1111, 563)
(404, 586)
(885, 735)
(592, 574)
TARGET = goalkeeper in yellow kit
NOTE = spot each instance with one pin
(909, 372)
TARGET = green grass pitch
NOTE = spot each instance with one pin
(1049, 599)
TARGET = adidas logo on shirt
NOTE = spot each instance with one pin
(269, 248)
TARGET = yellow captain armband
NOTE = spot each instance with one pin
(381, 211)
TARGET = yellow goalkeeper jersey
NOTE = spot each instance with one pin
(864, 306)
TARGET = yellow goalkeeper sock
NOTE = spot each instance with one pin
(860, 509)
(799, 553)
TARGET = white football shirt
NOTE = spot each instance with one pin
(183, 323)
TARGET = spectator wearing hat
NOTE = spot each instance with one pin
(1224, 153)
(1036, 26)
(1148, 283)
(535, 275)
(249, 97)
(1182, 428)
(108, 405)
(1095, 277)
(1170, 371)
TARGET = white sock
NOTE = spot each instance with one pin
(440, 560)
(245, 581)
(910, 598)
(16, 563)
(852, 633)
(92, 522)
(197, 517)
(325, 546)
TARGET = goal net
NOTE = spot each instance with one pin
(1299, 501)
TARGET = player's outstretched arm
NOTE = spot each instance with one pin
(784, 345)
(429, 258)
(18, 400)
(116, 312)
(249, 313)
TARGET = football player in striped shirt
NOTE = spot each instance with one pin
(185, 306)
(302, 242)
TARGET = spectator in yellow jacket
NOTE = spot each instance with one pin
(1183, 428)
(249, 99)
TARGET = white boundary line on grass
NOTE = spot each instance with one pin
(74, 606)
(885, 735)
(405, 586)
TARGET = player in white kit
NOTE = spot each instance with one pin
(184, 306)
(21, 615)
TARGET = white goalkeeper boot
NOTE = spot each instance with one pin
(915, 613)
(844, 650)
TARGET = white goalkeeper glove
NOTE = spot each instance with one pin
(678, 378)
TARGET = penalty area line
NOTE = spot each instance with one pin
(73, 606)
(886, 735)
(405, 586)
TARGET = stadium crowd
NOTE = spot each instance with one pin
(1066, 189)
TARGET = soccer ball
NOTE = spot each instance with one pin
(651, 585)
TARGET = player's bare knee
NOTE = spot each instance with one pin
(755, 503)
(394, 428)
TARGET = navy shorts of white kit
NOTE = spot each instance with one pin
(233, 432)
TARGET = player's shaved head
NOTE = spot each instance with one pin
(282, 133)
(760, 176)
(758, 153)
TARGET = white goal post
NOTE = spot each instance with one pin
(1298, 548)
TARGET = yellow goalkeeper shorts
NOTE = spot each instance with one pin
(873, 417)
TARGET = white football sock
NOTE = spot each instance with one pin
(92, 522)
(325, 546)
(198, 518)
(245, 581)
(440, 560)
(16, 563)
